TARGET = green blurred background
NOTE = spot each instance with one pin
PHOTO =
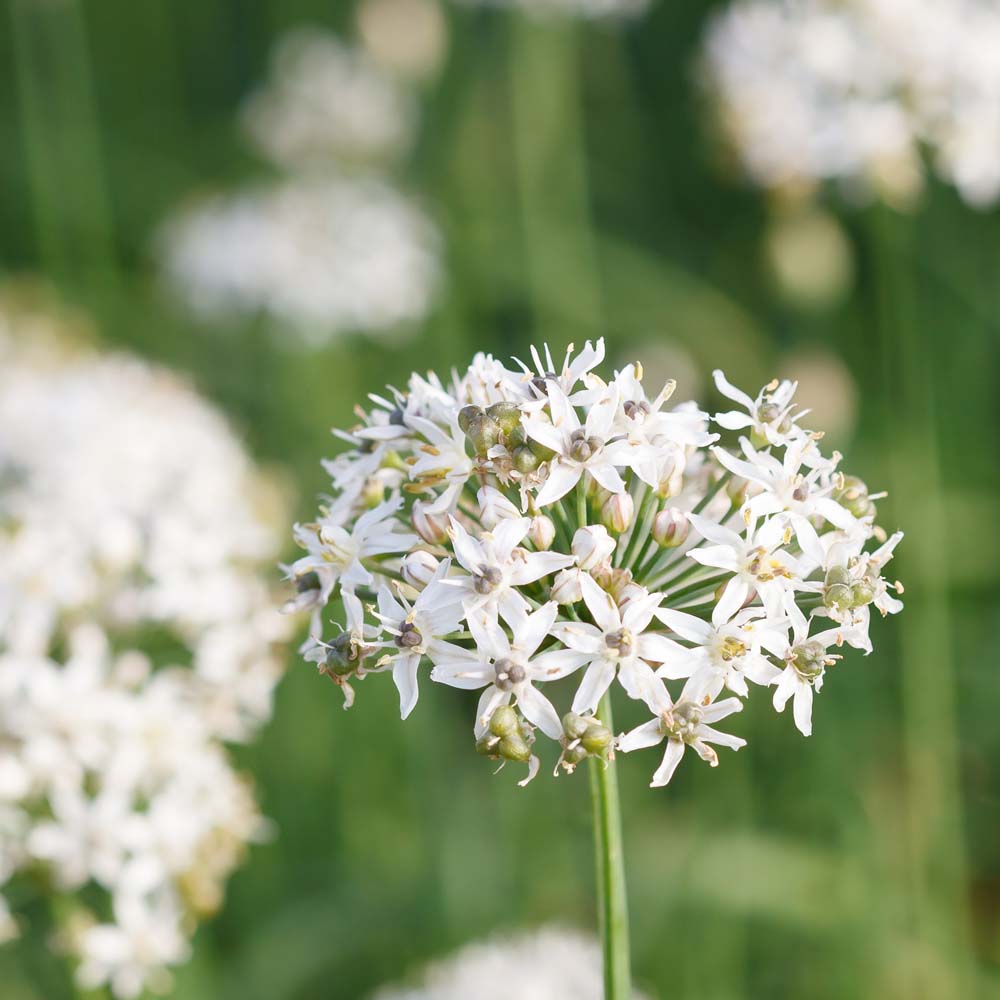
(573, 172)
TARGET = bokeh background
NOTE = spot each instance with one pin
(577, 182)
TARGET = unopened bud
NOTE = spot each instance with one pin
(618, 511)
(432, 528)
(418, 568)
(373, 492)
(542, 532)
(671, 527)
(566, 587)
(736, 490)
(592, 545)
(506, 415)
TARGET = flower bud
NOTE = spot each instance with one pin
(592, 546)
(432, 528)
(373, 492)
(418, 568)
(566, 587)
(618, 511)
(542, 532)
(506, 415)
(736, 490)
(671, 528)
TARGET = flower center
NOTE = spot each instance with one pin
(682, 722)
(731, 649)
(621, 643)
(763, 567)
(508, 673)
(581, 447)
(487, 580)
(408, 636)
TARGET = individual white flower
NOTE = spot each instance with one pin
(580, 446)
(509, 667)
(684, 723)
(770, 418)
(756, 559)
(618, 644)
(725, 653)
(497, 565)
(806, 659)
(417, 629)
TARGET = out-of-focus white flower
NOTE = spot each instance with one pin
(327, 103)
(816, 90)
(331, 247)
(325, 256)
(137, 634)
(590, 9)
(710, 578)
(810, 256)
(550, 963)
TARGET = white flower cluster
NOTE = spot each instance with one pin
(853, 90)
(137, 634)
(587, 9)
(549, 963)
(332, 247)
(511, 528)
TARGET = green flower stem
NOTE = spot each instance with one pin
(612, 900)
(641, 525)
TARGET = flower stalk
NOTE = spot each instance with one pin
(610, 857)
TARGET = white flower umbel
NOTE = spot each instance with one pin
(331, 247)
(488, 490)
(573, 537)
(323, 255)
(137, 635)
(855, 91)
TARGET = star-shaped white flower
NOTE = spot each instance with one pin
(725, 653)
(416, 630)
(770, 417)
(684, 723)
(618, 643)
(508, 667)
(497, 565)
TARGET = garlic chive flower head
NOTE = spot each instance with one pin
(546, 535)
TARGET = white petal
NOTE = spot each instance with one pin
(685, 625)
(595, 682)
(671, 758)
(538, 710)
(562, 478)
(802, 708)
(404, 674)
(600, 604)
(646, 735)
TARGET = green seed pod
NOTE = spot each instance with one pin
(574, 726)
(506, 415)
(514, 748)
(516, 438)
(838, 596)
(504, 721)
(862, 593)
(544, 454)
(525, 460)
(574, 755)
(597, 739)
(467, 414)
(486, 745)
(837, 574)
(483, 432)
